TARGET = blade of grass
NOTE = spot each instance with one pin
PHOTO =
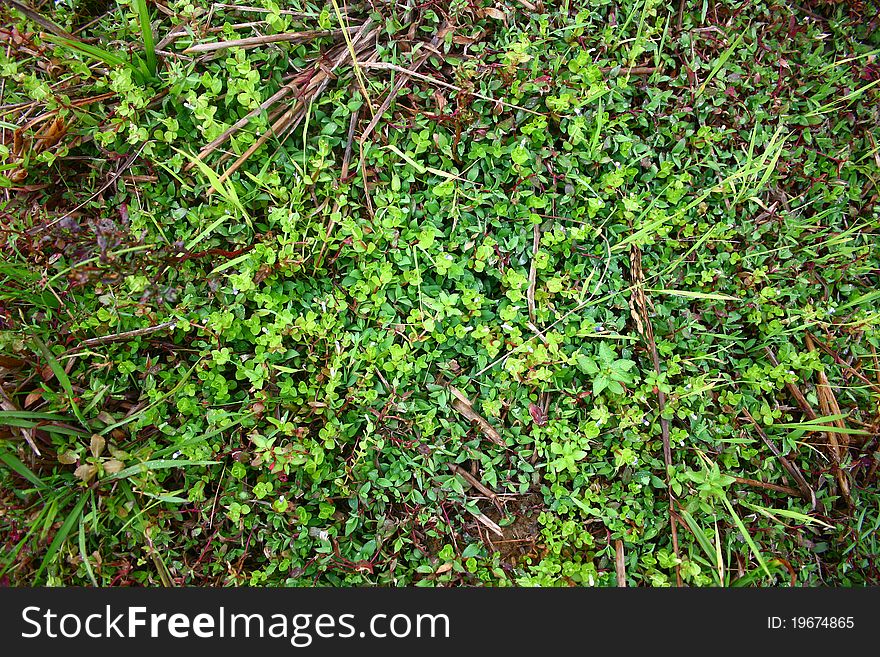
(359, 74)
(696, 295)
(43, 426)
(421, 168)
(141, 526)
(207, 231)
(32, 415)
(833, 105)
(40, 20)
(105, 56)
(752, 576)
(170, 393)
(748, 538)
(719, 553)
(223, 187)
(61, 375)
(786, 513)
(21, 469)
(865, 298)
(8, 561)
(823, 428)
(61, 535)
(720, 63)
(146, 34)
(83, 555)
(701, 537)
(230, 263)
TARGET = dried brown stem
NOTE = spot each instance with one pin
(242, 122)
(620, 563)
(479, 485)
(402, 80)
(533, 271)
(291, 118)
(252, 42)
(806, 491)
(127, 335)
(639, 312)
(762, 484)
(488, 523)
(793, 389)
(829, 406)
(632, 70)
(464, 406)
(441, 83)
(842, 363)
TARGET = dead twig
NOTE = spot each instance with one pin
(441, 83)
(842, 363)
(488, 523)
(127, 335)
(343, 175)
(316, 85)
(242, 122)
(632, 70)
(533, 271)
(402, 80)
(464, 406)
(828, 406)
(762, 484)
(806, 491)
(260, 10)
(123, 168)
(252, 42)
(639, 311)
(537, 8)
(620, 563)
(476, 483)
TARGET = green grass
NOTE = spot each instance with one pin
(578, 283)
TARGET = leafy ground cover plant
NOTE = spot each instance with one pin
(469, 293)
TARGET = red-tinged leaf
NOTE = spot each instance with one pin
(11, 363)
(538, 414)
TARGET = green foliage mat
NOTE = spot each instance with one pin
(532, 294)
